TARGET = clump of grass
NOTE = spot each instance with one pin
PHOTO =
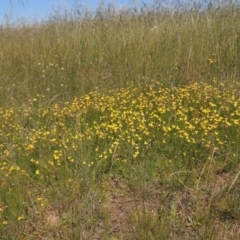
(121, 126)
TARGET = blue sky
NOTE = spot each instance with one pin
(39, 9)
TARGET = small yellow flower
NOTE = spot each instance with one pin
(20, 218)
(37, 172)
(5, 222)
(6, 152)
(136, 154)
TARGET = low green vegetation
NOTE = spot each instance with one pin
(122, 126)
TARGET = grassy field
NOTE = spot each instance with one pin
(121, 126)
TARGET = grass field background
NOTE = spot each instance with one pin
(121, 126)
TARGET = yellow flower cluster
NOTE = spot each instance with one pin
(43, 142)
(124, 124)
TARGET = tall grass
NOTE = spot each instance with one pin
(122, 125)
(70, 57)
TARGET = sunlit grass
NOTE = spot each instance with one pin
(122, 126)
(69, 58)
(102, 133)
